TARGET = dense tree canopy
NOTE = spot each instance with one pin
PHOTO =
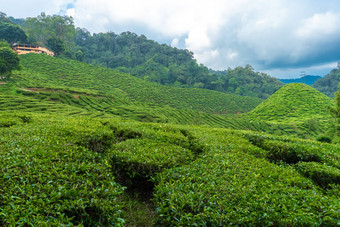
(56, 32)
(143, 58)
(329, 83)
(164, 64)
(10, 31)
(9, 61)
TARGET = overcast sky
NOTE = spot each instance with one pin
(279, 37)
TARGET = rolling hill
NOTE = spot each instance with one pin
(72, 153)
(41, 71)
(293, 103)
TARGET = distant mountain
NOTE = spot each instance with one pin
(293, 103)
(309, 80)
(329, 83)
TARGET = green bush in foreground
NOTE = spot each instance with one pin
(323, 175)
(292, 151)
(49, 179)
(232, 188)
(142, 158)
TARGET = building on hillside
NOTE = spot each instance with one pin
(30, 48)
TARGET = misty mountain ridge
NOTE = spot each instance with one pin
(308, 79)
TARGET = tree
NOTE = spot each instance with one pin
(9, 61)
(56, 44)
(4, 18)
(54, 30)
(79, 55)
(12, 33)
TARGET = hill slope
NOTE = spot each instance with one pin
(293, 102)
(62, 171)
(329, 83)
(47, 72)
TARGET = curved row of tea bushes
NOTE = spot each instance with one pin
(135, 161)
(46, 71)
(227, 186)
(53, 174)
(295, 150)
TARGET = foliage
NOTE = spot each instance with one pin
(324, 139)
(323, 175)
(9, 61)
(56, 44)
(12, 33)
(228, 186)
(335, 111)
(46, 71)
(48, 179)
(53, 31)
(292, 102)
(329, 83)
(200, 175)
(292, 151)
(139, 159)
(167, 65)
(245, 81)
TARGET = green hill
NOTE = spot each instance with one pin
(71, 154)
(293, 103)
(41, 71)
(71, 88)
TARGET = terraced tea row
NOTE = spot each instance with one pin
(47, 72)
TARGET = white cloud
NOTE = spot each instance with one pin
(320, 24)
(32, 8)
(175, 42)
(270, 35)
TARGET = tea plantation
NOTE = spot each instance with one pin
(43, 71)
(59, 170)
(87, 146)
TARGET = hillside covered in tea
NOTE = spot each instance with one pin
(293, 102)
(84, 145)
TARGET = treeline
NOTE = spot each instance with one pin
(329, 83)
(141, 57)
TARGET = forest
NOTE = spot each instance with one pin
(136, 55)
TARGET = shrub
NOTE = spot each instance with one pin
(292, 151)
(324, 139)
(139, 159)
(49, 179)
(323, 175)
(225, 188)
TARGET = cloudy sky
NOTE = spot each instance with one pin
(279, 37)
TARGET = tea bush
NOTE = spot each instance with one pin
(323, 175)
(143, 158)
(226, 186)
(292, 151)
(45, 71)
(50, 177)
